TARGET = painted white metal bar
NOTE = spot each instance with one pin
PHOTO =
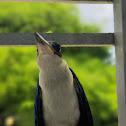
(120, 40)
(64, 1)
(65, 39)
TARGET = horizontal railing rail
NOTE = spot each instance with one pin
(64, 1)
(65, 39)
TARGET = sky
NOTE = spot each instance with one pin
(101, 14)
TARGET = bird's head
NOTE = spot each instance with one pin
(48, 52)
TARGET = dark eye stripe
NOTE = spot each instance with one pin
(37, 51)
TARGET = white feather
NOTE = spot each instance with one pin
(60, 103)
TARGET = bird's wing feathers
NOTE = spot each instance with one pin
(38, 114)
(85, 113)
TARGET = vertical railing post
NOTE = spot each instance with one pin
(120, 40)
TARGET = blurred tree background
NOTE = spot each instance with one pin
(18, 65)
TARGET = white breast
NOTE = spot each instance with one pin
(60, 103)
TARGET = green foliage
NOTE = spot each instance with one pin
(89, 52)
(39, 17)
(19, 71)
(19, 75)
(98, 80)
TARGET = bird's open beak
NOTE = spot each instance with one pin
(43, 46)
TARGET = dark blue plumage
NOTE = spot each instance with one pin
(38, 114)
(85, 113)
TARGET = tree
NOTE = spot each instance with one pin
(36, 17)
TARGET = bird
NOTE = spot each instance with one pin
(60, 98)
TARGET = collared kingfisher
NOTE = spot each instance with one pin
(60, 99)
